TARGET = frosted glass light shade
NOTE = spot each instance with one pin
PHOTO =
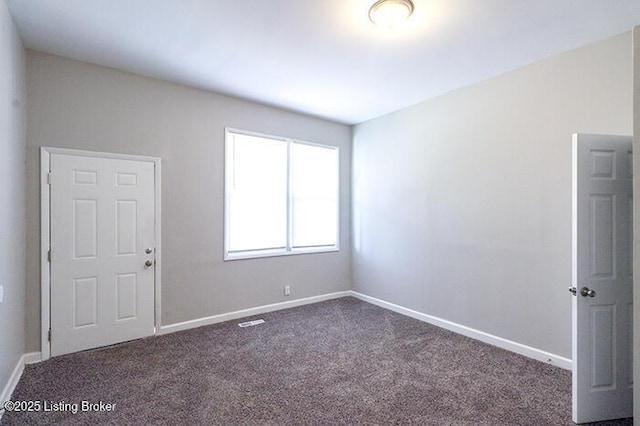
(389, 13)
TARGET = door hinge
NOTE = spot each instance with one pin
(49, 178)
(49, 335)
(49, 255)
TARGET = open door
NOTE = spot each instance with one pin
(602, 312)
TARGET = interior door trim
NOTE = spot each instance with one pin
(45, 235)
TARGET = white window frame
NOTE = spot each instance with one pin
(288, 250)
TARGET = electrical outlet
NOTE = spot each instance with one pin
(287, 290)
(1, 293)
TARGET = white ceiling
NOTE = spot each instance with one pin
(321, 57)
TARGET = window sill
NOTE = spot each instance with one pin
(277, 253)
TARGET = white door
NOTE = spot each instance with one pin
(602, 278)
(102, 251)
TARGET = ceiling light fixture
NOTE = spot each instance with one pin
(389, 13)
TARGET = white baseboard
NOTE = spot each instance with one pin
(10, 386)
(32, 357)
(509, 345)
(215, 319)
(500, 342)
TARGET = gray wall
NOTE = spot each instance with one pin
(77, 105)
(462, 204)
(12, 195)
(636, 220)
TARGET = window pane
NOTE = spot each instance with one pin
(257, 193)
(314, 187)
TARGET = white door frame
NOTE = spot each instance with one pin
(45, 235)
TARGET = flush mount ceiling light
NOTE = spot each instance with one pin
(389, 13)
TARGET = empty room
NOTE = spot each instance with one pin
(319, 212)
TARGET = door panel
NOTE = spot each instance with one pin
(602, 320)
(126, 220)
(85, 229)
(126, 296)
(85, 301)
(602, 236)
(102, 221)
(602, 326)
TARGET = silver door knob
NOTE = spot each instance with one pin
(149, 251)
(148, 263)
(587, 292)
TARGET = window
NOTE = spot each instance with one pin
(281, 196)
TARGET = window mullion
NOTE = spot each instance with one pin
(289, 200)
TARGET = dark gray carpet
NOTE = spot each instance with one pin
(337, 362)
